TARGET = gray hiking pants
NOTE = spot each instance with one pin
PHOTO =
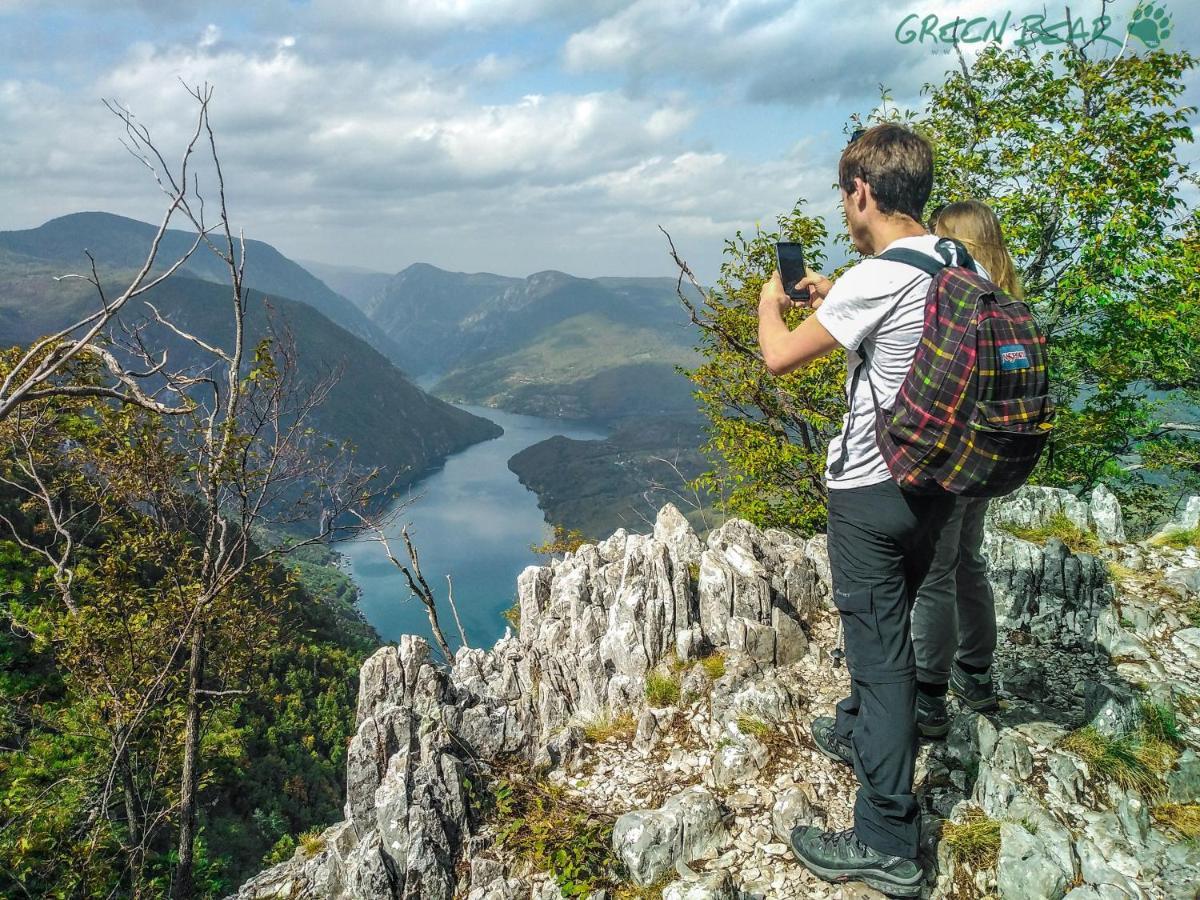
(954, 616)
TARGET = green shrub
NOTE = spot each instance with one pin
(554, 831)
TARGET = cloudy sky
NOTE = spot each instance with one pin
(501, 135)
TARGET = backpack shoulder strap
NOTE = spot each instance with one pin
(927, 263)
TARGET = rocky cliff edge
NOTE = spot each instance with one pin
(716, 656)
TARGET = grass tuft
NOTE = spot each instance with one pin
(751, 725)
(1079, 540)
(1159, 721)
(1182, 818)
(1180, 538)
(974, 841)
(311, 842)
(1118, 572)
(714, 665)
(620, 727)
(1136, 761)
(662, 689)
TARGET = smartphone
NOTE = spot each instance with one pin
(789, 258)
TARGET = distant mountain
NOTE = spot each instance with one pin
(391, 421)
(425, 310)
(584, 367)
(120, 244)
(549, 344)
(359, 286)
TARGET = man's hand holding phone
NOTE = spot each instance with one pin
(801, 284)
(817, 286)
(774, 292)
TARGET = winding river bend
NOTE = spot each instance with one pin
(471, 519)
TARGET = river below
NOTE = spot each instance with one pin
(473, 520)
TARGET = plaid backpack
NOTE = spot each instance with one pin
(974, 412)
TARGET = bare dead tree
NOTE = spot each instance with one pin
(454, 609)
(377, 527)
(709, 325)
(692, 499)
(37, 374)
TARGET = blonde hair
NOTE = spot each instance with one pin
(975, 225)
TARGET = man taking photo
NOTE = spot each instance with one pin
(881, 538)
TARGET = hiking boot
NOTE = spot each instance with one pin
(825, 736)
(840, 856)
(933, 720)
(975, 691)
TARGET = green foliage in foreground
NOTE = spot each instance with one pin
(767, 434)
(274, 756)
(544, 825)
(1080, 159)
(277, 760)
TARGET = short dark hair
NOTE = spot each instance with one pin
(898, 165)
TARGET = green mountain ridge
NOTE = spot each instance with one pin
(621, 481)
(549, 344)
(586, 366)
(391, 422)
(120, 244)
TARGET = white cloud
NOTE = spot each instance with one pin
(336, 146)
(787, 52)
(343, 141)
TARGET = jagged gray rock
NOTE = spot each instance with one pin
(596, 622)
(739, 761)
(651, 842)
(1027, 870)
(1106, 517)
(792, 808)
(718, 886)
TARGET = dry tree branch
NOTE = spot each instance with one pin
(417, 585)
(38, 368)
(454, 609)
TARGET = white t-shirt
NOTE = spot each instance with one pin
(878, 304)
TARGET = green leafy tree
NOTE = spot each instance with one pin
(1079, 156)
(767, 434)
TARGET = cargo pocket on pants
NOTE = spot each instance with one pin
(865, 657)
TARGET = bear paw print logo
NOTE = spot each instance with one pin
(1150, 24)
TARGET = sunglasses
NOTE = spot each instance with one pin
(857, 133)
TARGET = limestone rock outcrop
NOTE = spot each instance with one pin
(705, 787)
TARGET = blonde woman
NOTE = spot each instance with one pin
(954, 616)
